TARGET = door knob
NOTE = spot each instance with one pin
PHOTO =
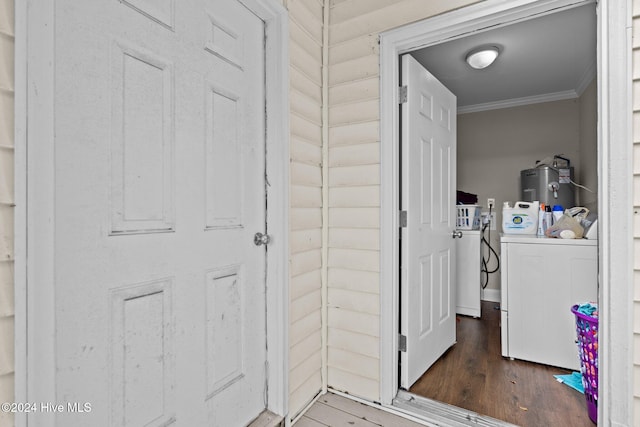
(457, 234)
(261, 239)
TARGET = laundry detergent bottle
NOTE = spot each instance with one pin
(522, 218)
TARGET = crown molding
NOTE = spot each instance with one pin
(518, 102)
(587, 77)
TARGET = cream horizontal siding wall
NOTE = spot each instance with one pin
(305, 334)
(636, 203)
(354, 184)
(6, 206)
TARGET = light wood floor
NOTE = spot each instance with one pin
(337, 411)
(473, 375)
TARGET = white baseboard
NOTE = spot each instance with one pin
(492, 295)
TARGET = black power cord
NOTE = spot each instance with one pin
(485, 262)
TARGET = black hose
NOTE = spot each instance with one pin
(485, 262)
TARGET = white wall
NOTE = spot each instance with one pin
(6, 206)
(588, 176)
(494, 146)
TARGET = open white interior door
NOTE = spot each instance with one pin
(427, 313)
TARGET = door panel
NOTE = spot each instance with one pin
(159, 188)
(428, 196)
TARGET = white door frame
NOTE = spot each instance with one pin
(34, 232)
(615, 172)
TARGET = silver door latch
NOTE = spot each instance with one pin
(457, 234)
(261, 239)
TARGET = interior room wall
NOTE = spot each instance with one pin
(588, 176)
(494, 146)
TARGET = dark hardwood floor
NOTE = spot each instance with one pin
(473, 375)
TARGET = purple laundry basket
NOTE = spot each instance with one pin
(587, 332)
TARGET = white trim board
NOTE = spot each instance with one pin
(20, 224)
(492, 295)
(34, 115)
(276, 20)
(436, 413)
(615, 211)
(615, 181)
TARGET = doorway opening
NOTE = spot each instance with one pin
(457, 25)
(510, 116)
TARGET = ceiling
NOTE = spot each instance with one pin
(542, 59)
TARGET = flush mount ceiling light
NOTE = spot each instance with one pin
(482, 57)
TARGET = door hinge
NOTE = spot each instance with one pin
(402, 94)
(403, 219)
(402, 343)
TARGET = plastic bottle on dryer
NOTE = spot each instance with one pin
(558, 211)
(522, 218)
(541, 222)
(548, 217)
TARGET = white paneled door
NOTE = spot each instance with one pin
(427, 313)
(159, 190)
